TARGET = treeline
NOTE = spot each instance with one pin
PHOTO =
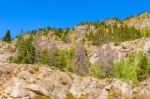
(103, 32)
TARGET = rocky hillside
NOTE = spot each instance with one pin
(38, 81)
(140, 21)
(29, 81)
(107, 59)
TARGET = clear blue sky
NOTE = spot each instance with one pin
(31, 14)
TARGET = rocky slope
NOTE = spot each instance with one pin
(27, 81)
(140, 21)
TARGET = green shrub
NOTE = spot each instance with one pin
(70, 96)
(26, 51)
(144, 64)
(135, 67)
(145, 32)
(126, 70)
(95, 70)
(60, 58)
(65, 59)
(49, 58)
(41, 97)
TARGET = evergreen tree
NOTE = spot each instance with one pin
(7, 37)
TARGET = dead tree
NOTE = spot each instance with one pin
(53, 53)
(37, 44)
(80, 61)
(106, 59)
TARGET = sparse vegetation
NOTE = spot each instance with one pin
(95, 70)
(71, 96)
(41, 97)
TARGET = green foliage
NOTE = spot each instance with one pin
(26, 51)
(95, 70)
(65, 59)
(60, 58)
(49, 58)
(41, 97)
(145, 32)
(70, 96)
(61, 33)
(7, 37)
(115, 33)
(144, 64)
(57, 33)
(44, 57)
(125, 33)
(135, 66)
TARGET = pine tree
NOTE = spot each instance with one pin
(7, 37)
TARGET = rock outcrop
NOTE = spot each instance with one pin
(118, 51)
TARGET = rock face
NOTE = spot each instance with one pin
(117, 52)
(28, 81)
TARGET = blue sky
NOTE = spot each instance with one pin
(16, 15)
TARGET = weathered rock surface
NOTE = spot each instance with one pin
(117, 51)
(27, 81)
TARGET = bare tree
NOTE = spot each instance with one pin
(36, 43)
(53, 53)
(106, 59)
(81, 64)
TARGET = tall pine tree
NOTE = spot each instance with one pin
(7, 37)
